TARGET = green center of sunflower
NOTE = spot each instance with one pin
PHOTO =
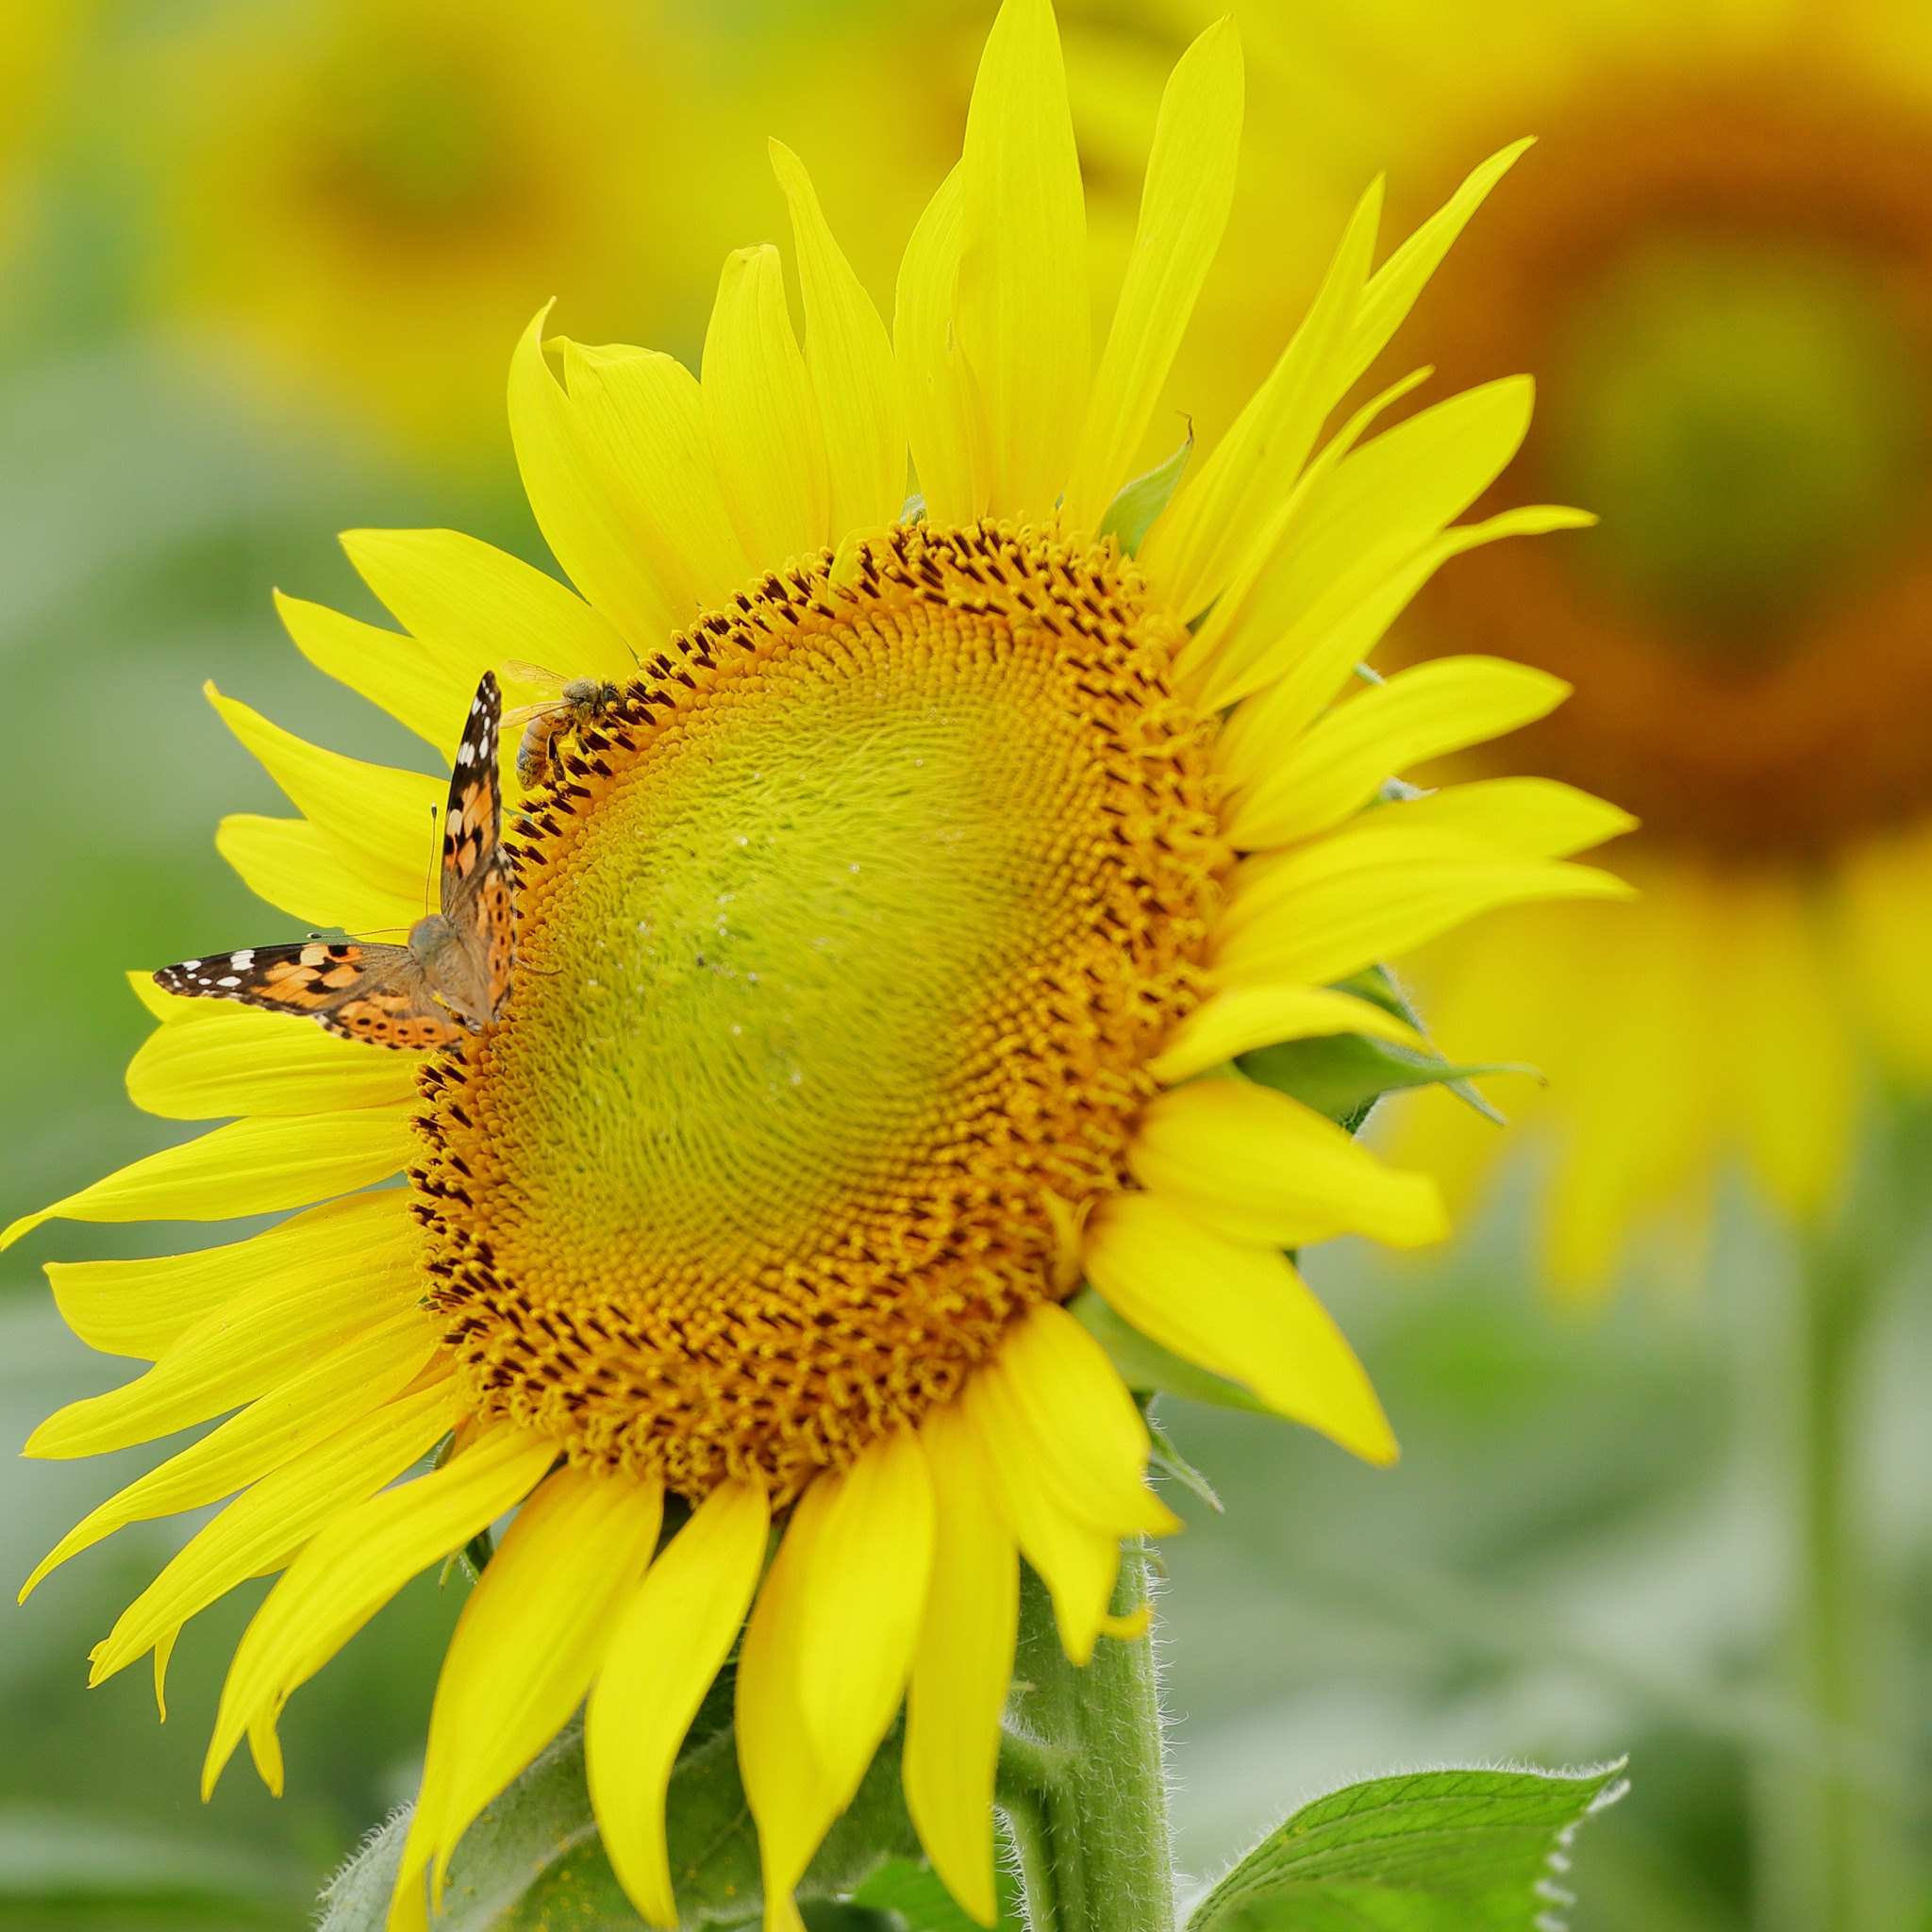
(1749, 418)
(785, 939)
(846, 941)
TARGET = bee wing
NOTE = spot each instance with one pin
(515, 671)
(524, 713)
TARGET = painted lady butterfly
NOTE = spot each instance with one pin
(453, 975)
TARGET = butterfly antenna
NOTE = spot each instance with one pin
(435, 862)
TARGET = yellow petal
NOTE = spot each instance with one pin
(1064, 1394)
(1885, 918)
(229, 1059)
(1239, 1021)
(645, 424)
(1237, 1309)
(143, 1307)
(287, 1422)
(251, 1343)
(760, 417)
(1335, 767)
(279, 1513)
(843, 1619)
(1183, 211)
(1220, 513)
(789, 1792)
(1076, 1563)
(850, 362)
(668, 1646)
(290, 864)
(357, 1562)
(1022, 308)
(1253, 1165)
(1782, 989)
(935, 385)
(414, 682)
(164, 1006)
(961, 1668)
(1391, 293)
(379, 821)
(1296, 677)
(250, 1167)
(586, 531)
(1537, 817)
(164, 1649)
(476, 604)
(529, 1640)
(1365, 520)
(1372, 891)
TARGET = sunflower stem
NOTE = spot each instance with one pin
(1832, 1852)
(1083, 1775)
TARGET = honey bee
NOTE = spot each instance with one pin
(575, 702)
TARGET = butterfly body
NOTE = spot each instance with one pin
(451, 976)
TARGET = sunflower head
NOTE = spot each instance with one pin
(892, 943)
(867, 912)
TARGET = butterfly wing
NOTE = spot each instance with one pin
(472, 822)
(477, 899)
(359, 990)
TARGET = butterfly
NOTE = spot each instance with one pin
(575, 702)
(453, 973)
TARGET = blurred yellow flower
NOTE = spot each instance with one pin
(37, 38)
(1719, 268)
(364, 198)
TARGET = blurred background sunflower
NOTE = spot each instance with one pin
(261, 266)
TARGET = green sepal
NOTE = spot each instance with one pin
(534, 1862)
(1165, 1460)
(1131, 514)
(1434, 1851)
(1343, 1074)
(1144, 1366)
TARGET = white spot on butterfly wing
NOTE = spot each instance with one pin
(245, 957)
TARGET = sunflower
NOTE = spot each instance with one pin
(359, 198)
(886, 947)
(1718, 264)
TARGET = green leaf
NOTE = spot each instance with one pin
(911, 1891)
(533, 1861)
(1131, 514)
(1433, 1851)
(1145, 1366)
(1343, 1074)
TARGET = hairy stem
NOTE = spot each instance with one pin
(1083, 1782)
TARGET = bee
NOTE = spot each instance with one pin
(575, 702)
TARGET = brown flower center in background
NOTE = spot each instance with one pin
(1726, 297)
